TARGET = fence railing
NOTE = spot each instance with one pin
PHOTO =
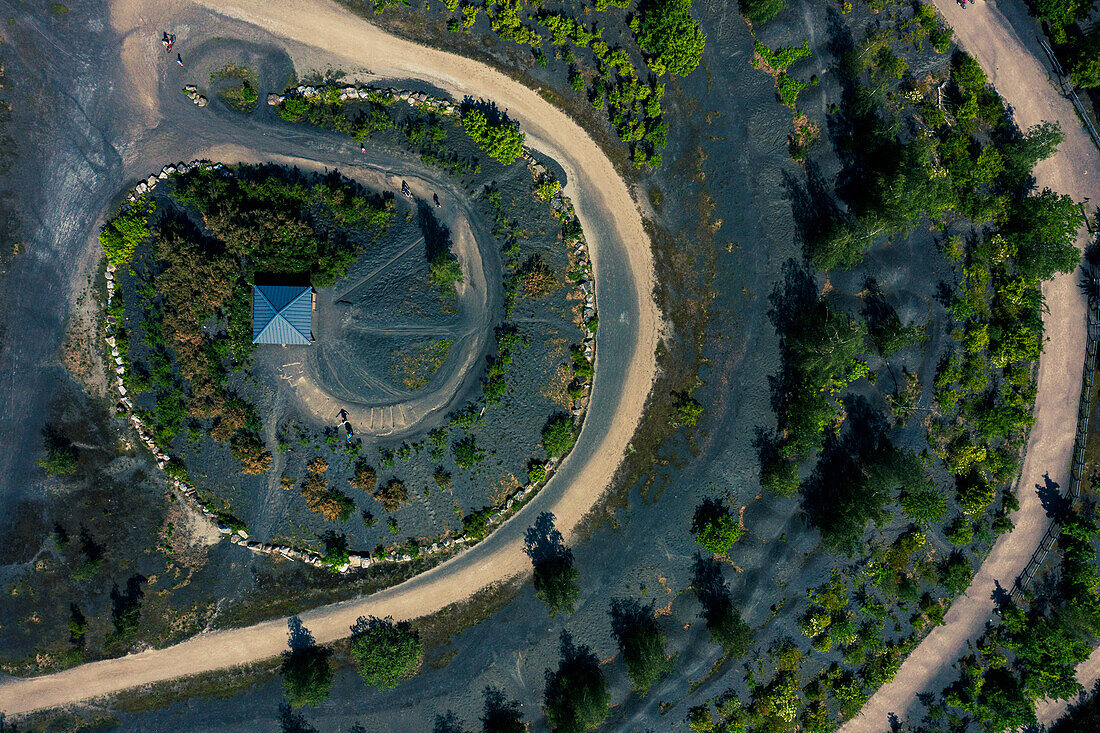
(1066, 85)
(1077, 467)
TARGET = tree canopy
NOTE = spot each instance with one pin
(385, 652)
(502, 140)
(669, 36)
(576, 696)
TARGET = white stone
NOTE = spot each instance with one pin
(141, 188)
(121, 390)
(201, 101)
(242, 533)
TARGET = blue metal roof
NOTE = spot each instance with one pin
(282, 314)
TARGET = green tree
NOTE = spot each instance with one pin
(307, 674)
(1084, 60)
(641, 643)
(780, 476)
(924, 504)
(669, 36)
(501, 140)
(555, 580)
(385, 652)
(715, 527)
(1043, 230)
(500, 715)
(576, 697)
(121, 236)
(955, 574)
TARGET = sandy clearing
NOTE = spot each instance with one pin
(1014, 62)
(612, 224)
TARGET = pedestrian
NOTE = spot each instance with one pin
(179, 60)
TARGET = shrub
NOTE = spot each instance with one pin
(467, 453)
(924, 504)
(385, 652)
(501, 140)
(444, 272)
(364, 477)
(536, 472)
(393, 495)
(641, 643)
(715, 527)
(558, 436)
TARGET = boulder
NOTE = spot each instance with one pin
(224, 529)
(242, 533)
(201, 101)
(273, 99)
(140, 188)
(190, 88)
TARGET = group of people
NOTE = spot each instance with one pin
(168, 41)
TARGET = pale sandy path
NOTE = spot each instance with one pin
(1014, 62)
(621, 259)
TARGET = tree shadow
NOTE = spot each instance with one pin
(543, 542)
(437, 237)
(500, 713)
(448, 723)
(1050, 496)
(488, 107)
(126, 605)
(709, 584)
(292, 721)
(813, 204)
(300, 638)
(628, 615)
(1001, 598)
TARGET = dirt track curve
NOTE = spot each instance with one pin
(317, 33)
(1003, 40)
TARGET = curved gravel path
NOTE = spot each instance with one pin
(1002, 39)
(317, 32)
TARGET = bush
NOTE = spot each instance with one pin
(467, 453)
(536, 472)
(444, 272)
(393, 495)
(715, 528)
(501, 140)
(669, 36)
(385, 652)
(559, 436)
(122, 235)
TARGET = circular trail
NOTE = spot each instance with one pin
(1002, 38)
(317, 33)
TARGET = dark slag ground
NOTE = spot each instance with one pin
(728, 141)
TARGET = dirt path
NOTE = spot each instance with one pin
(621, 260)
(1002, 39)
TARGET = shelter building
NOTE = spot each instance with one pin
(282, 314)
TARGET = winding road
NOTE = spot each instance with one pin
(1003, 40)
(318, 34)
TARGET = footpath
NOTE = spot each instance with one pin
(1002, 38)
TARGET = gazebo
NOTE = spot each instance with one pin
(282, 314)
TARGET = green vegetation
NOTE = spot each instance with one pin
(641, 642)
(243, 96)
(759, 11)
(307, 673)
(715, 527)
(122, 234)
(60, 459)
(502, 140)
(257, 220)
(558, 436)
(385, 653)
(393, 495)
(669, 36)
(576, 696)
(445, 271)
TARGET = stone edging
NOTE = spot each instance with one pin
(562, 209)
